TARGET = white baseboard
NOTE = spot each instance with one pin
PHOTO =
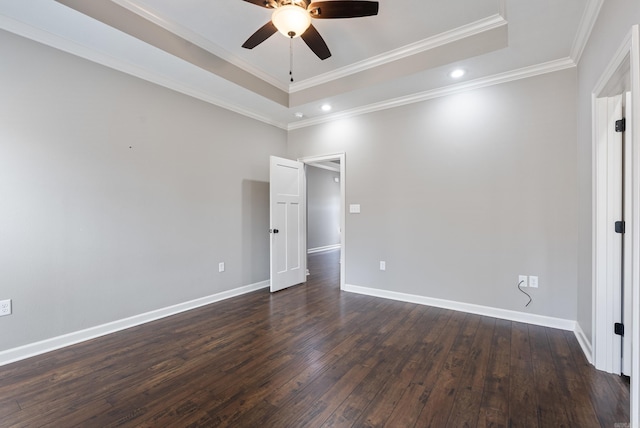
(541, 320)
(323, 249)
(47, 345)
(585, 344)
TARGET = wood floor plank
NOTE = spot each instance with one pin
(468, 399)
(441, 399)
(313, 356)
(573, 393)
(523, 394)
(409, 342)
(610, 404)
(494, 410)
(435, 348)
(551, 410)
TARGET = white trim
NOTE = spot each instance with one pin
(587, 22)
(326, 166)
(635, 256)
(612, 68)
(74, 48)
(47, 345)
(541, 320)
(627, 238)
(522, 73)
(602, 316)
(198, 40)
(442, 39)
(477, 27)
(324, 249)
(584, 343)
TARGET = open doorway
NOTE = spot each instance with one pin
(616, 258)
(323, 207)
(326, 206)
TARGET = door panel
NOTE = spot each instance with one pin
(287, 223)
(293, 234)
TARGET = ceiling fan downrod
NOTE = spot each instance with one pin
(291, 34)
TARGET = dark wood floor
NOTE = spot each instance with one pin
(315, 356)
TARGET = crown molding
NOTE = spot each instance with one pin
(200, 41)
(587, 22)
(66, 45)
(441, 39)
(447, 37)
(521, 73)
(75, 48)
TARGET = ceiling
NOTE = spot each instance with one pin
(402, 55)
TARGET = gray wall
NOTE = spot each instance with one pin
(323, 208)
(613, 25)
(117, 196)
(461, 194)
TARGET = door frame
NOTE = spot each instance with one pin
(310, 160)
(626, 60)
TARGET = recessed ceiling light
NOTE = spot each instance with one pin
(457, 73)
(326, 107)
(299, 115)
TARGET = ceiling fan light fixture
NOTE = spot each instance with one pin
(291, 20)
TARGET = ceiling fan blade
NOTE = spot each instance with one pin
(266, 31)
(316, 43)
(261, 3)
(342, 9)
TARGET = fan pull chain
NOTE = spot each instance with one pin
(291, 57)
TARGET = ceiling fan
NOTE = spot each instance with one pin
(293, 19)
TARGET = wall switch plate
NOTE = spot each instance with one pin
(383, 265)
(5, 307)
(523, 281)
(221, 267)
(533, 281)
(354, 208)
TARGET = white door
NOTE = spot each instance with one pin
(608, 245)
(613, 295)
(287, 223)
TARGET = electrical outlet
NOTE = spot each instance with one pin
(383, 265)
(5, 307)
(221, 267)
(522, 281)
(533, 281)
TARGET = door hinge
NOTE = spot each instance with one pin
(619, 225)
(618, 328)
(621, 125)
